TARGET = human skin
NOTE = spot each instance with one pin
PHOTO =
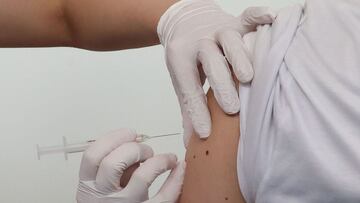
(88, 24)
(121, 24)
(211, 174)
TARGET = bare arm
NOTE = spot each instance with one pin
(89, 24)
(211, 174)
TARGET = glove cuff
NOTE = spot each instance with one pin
(179, 11)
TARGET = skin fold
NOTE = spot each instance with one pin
(211, 175)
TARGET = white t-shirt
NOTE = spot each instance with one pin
(300, 117)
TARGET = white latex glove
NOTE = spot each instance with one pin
(198, 33)
(105, 161)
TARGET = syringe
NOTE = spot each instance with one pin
(67, 148)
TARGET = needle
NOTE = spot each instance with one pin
(69, 148)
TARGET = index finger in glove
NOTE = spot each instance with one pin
(185, 75)
(100, 149)
(145, 175)
(237, 54)
(219, 75)
(112, 167)
(171, 189)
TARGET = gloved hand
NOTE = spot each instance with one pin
(105, 161)
(197, 33)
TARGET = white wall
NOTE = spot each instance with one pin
(50, 93)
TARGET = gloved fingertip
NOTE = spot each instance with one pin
(204, 131)
(181, 167)
(202, 125)
(245, 76)
(130, 133)
(186, 141)
(229, 102)
(204, 136)
(233, 108)
(182, 164)
(173, 157)
(170, 158)
(272, 14)
(259, 15)
(146, 150)
(269, 17)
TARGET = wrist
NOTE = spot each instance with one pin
(180, 12)
(154, 10)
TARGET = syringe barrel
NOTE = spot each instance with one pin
(74, 148)
(66, 149)
(51, 150)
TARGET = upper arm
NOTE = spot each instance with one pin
(211, 173)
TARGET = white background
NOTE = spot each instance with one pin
(55, 92)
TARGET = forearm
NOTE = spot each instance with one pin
(114, 24)
(88, 24)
